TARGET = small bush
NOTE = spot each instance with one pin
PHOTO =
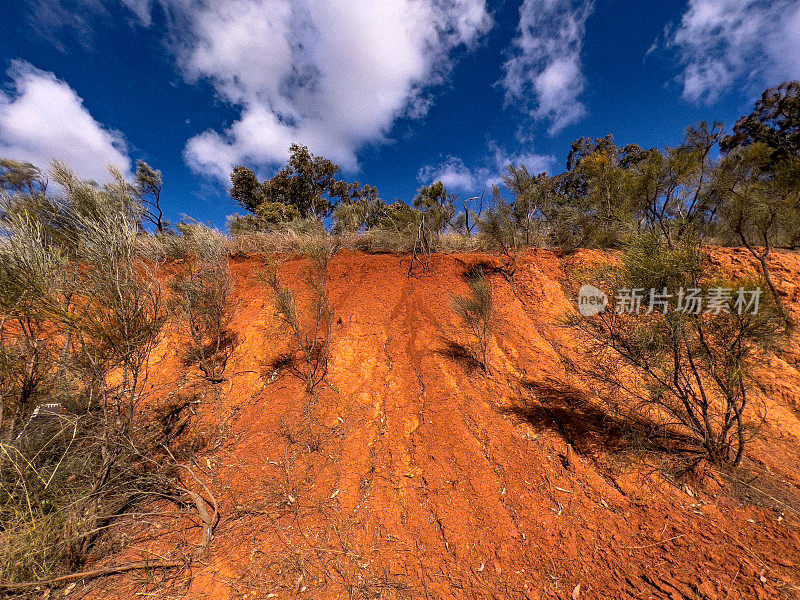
(80, 312)
(310, 329)
(202, 299)
(476, 311)
(695, 369)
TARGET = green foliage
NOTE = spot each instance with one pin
(756, 198)
(476, 311)
(757, 203)
(533, 198)
(775, 122)
(306, 189)
(246, 189)
(596, 184)
(499, 225)
(359, 208)
(398, 216)
(436, 205)
(653, 264)
(272, 214)
(697, 370)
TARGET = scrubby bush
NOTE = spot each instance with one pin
(80, 312)
(696, 369)
(310, 328)
(476, 312)
(757, 203)
(202, 300)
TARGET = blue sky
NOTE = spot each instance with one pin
(399, 92)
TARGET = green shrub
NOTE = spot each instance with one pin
(476, 311)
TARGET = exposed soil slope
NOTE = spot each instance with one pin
(411, 474)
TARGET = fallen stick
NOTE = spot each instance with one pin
(124, 568)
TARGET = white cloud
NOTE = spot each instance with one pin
(45, 119)
(544, 73)
(536, 163)
(334, 75)
(75, 21)
(722, 43)
(53, 19)
(456, 176)
(141, 8)
(453, 173)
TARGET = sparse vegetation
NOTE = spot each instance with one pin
(476, 311)
(684, 367)
(310, 327)
(80, 313)
(202, 300)
(83, 306)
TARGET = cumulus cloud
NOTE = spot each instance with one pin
(722, 43)
(457, 176)
(43, 118)
(544, 74)
(334, 75)
(453, 173)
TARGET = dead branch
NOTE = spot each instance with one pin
(113, 570)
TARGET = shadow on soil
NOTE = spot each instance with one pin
(460, 354)
(590, 428)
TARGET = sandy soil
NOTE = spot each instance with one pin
(411, 474)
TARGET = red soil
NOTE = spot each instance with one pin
(410, 474)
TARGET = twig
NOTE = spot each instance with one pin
(124, 568)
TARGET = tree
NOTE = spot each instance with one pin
(359, 207)
(757, 202)
(436, 205)
(148, 183)
(246, 189)
(467, 220)
(307, 184)
(533, 195)
(668, 189)
(592, 205)
(399, 217)
(500, 227)
(775, 122)
(272, 214)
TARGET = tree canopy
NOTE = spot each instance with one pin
(775, 122)
(308, 183)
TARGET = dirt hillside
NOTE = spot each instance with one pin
(411, 474)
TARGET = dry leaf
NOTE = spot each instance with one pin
(576, 593)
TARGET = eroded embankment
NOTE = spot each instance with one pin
(410, 474)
